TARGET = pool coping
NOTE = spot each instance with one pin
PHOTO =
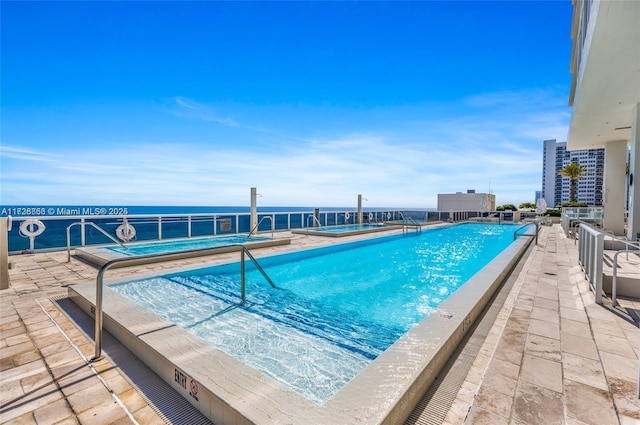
(312, 232)
(227, 391)
(98, 256)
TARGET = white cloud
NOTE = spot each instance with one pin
(406, 164)
(191, 109)
(10, 152)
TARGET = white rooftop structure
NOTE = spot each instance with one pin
(470, 201)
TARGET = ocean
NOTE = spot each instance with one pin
(60, 219)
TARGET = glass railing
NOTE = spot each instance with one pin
(167, 226)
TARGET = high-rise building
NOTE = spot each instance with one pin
(605, 101)
(538, 195)
(557, 189)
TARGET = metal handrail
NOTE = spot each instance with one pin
(625, 241)
(411, 221)
(260, 222)
(615, 273)
(95, 226)
(516, 234)
(575, 223)
(315, 219)
(164, 256)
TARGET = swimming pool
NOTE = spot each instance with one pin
(182, 244)
(101, 255)
(318, 308)
(342, 230)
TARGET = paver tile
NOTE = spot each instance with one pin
(584, 370)
(54, 413)
(88, 397)
(614, 344)
(542, 372)
(23, 370)
(545, 315)
(589, 404)
(132, 400)
(574, 314)
(546, 329)
(25, 419)
(500, 383)
(480, 416)
(494, 402)
(574, 327)
(540, 346)
(30, 401)
(513, 340)
(584, 347)
(620, 367)
(546, 303)
(599, 313)
(512, 356)
(536, 405)
(147, 416)
(107, 412)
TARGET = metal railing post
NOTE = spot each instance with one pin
(98, 314)
(242, 284)
(83, 240)
(5, 226)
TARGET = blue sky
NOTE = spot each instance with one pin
(193, 103)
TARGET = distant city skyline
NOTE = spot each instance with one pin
(193, 103)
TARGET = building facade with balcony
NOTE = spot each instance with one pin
(605, 97)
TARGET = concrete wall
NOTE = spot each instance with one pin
(465, 201)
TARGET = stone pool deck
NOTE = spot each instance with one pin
(552, 355)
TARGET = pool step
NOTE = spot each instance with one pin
(367, 338)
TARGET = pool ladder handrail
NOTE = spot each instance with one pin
(95, 226)
(255, 229)
(516, 234)
(164, 256)
(409, 222)
(315, 219)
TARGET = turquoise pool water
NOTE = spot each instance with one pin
(336, 309)
(183, 244)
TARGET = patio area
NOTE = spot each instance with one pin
(552, 355)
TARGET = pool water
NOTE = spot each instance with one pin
(183, 244)
(336, 308)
